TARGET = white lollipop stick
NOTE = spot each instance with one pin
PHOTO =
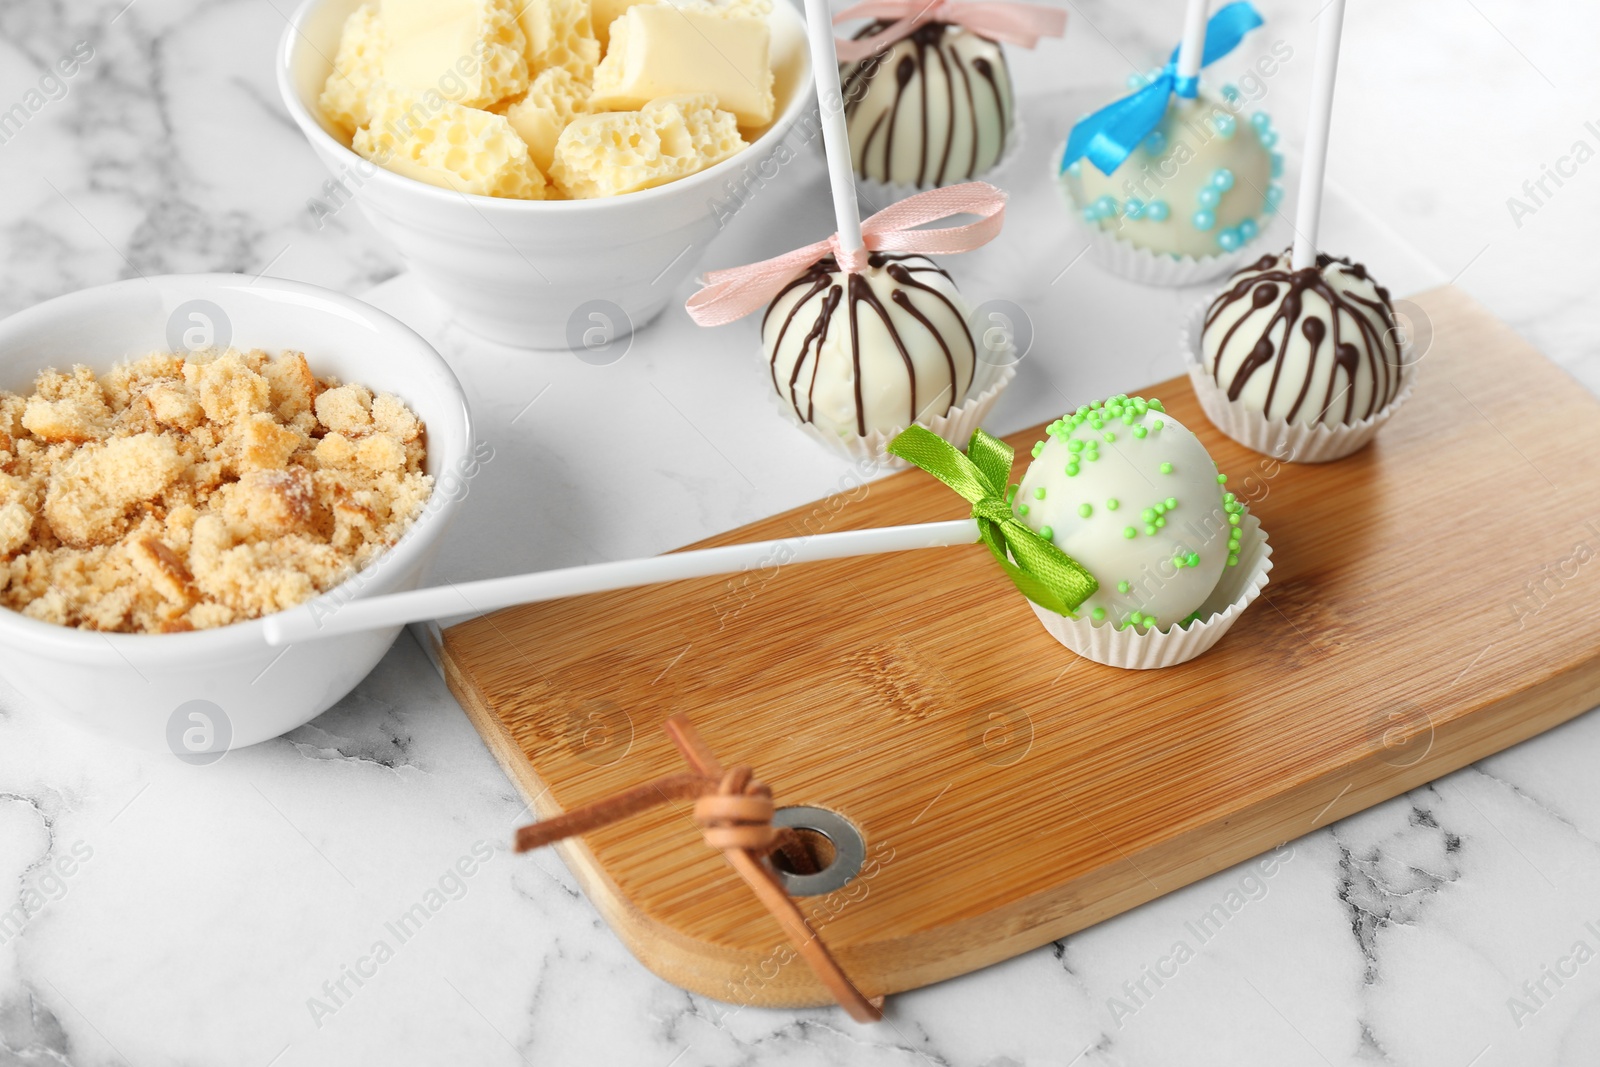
(319, 618)
(835, 133)
(1309, 211)
(1193, 45)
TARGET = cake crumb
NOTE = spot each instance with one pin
(180, 493)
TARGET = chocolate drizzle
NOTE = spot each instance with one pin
(1373, 350)
(817, 308)
(934, 45)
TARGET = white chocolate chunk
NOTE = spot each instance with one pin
(623, 151)
(657, 50)
(560, 34)
(553, 100)
(426, 137)
(356, 67)
(602, 13)
(472, 52)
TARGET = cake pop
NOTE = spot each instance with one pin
(1313, 345)
(1128, 492)
(872, 351)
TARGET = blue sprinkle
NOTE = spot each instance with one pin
(1230, 92)
(1269, 138)
(1277, 164)
(1136, 81)
(1248, 229)
(1208, 196)
(1106, 206)
(1261, 120)
(1156, 143)
(1226, 125)
(1156, 211)
(1274, 195)
(1223, 179)
(1133, 207)
(1203, 219)
(1229, 240)
(1075, 168)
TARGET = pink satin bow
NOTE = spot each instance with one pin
(1018, 24)
(733, 293)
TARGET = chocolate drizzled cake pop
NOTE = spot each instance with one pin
(870, 352)
(934, 109)
(1308, 346)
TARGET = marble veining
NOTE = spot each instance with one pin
(152, 912)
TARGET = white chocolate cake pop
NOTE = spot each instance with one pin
(1313, 345)
(1127, 491)
(873, 351)
(934, 109)
(1198, 185)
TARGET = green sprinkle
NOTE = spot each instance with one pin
(1038, 494)
(1129, 532)
(1166, 468)
(1110, 436)
(1139, 431)
(1234, 518)
(1123, 586)
(1150, 530)
(1072, 470)
(1127, 420)
(1074, 446)
(1158, 424)
(1037, 448)
(1194, 559)
(1221, 478)
(1112, 505)
(1047, 533)
(1085, 510)
(1177, 561)
(1098, 614)
(1233, 561)
(1023, 510)
(1011, 493)
(1160, 522)
(1155, 405)
(1097, 424)
(1148, 514)
(1171, 502)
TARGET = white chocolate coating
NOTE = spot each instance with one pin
(1318, 345)
(873, 351)
(1178, 167)
(1178, 512)
(935, 109)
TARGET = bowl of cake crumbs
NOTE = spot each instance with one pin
(156, 502)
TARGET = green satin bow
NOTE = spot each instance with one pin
(1045, 574)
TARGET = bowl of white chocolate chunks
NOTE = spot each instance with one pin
(539, 163)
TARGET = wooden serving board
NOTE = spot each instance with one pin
(1431, 602)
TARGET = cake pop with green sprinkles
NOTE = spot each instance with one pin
(1158, 560)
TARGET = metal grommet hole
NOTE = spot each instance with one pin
(835, 846)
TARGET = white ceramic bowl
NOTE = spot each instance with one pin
(535, 274)
(145, 689)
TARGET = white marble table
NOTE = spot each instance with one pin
(215, 915)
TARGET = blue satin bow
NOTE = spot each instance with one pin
(1110, 134)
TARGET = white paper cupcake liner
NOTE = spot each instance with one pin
(1131, 650)
(1292, 442)
(876, 195)
(989, 380)
(1116, 256)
